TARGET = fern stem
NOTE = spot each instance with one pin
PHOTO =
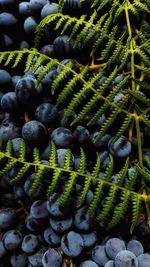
(131, 45)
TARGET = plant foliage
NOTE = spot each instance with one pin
(119, 44)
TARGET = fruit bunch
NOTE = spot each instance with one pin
(74, 127)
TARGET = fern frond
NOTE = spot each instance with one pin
(127, 121)
(108, 204)
(120, 210)
(145, 174)
(84, 191)
(136, 204)
(98, 194)
(68, 189)
(68, 160)
(96, 168)
(53, 155)
(82, 165)
(55, 178)
(21, 173)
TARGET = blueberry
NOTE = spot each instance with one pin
(34, 132)
(61, 153)
(62, 137)
(32, 224)
(121, 148)
(61, 226)
(72, 244)
(72, 8)
(52, 258)
(126, 258)
(48, 9)
(101, 120)
(2, 249)
(9, 131)
(9, 102)
(7, 42)
(48, 79)
(88, 263)
(15, 79)
(82, 220)
(30, 25)
(30, 244)
(99, 255)
(39, 210)
(26, 89)
(110, 263)
(12, 239)
(89, 239)
(20, 260)
(102, 142)
(104, 156)
(63, 47)
(136, 247)
(144, 260)
(48, 50)
(24, 9)
(7, 217)
(5, 80)
(7, 20)
(28, 184)
(36, 6)
(81, 134)
(118, 79)
(19, 190)
(53, 205)
(46, 113)
(113, 246)
(51, 237)
(45, 153)
(23, 44)
(36, 259)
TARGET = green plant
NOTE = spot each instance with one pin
(116, 32)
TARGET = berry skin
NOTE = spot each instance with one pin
(7, 20)
(52, 258)
(51, 237)
(7, 218)
(88, 264)
(2, 249)
(25, 89)
(20, 260)
(61, 226)
(34, 132)
(126, 258)
(62, 137)
(144, 260)
(136, 247)
(113, 246)
(36, 259)
(121, 148)
(71, 7)
(30, 25)
(5, 81)
(9, 131)
(12, 239)
(89, 239)
(9, 102)
(81, 134)
(39, 209)
(46, 113)
(30, 244)
(53, 205)
(72, 244)
(63, 47)
(49, 8)
(82, 221)
(110, 263)
(99, 255)
(24, 9)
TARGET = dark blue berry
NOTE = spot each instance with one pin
(62, 137)
(82, 220)
(39, 209)
(136, 247)
(9, 102)
(120, 148)
(46, 113)
(7, 218)
(113, 246)
(72, 244)
(30, 244)
(126, 258)
(99, 255)
(20, 260)
(51, 237)
(88, 263)
(34, 132)
(61, 226)
(52, 258)
(12, 239)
